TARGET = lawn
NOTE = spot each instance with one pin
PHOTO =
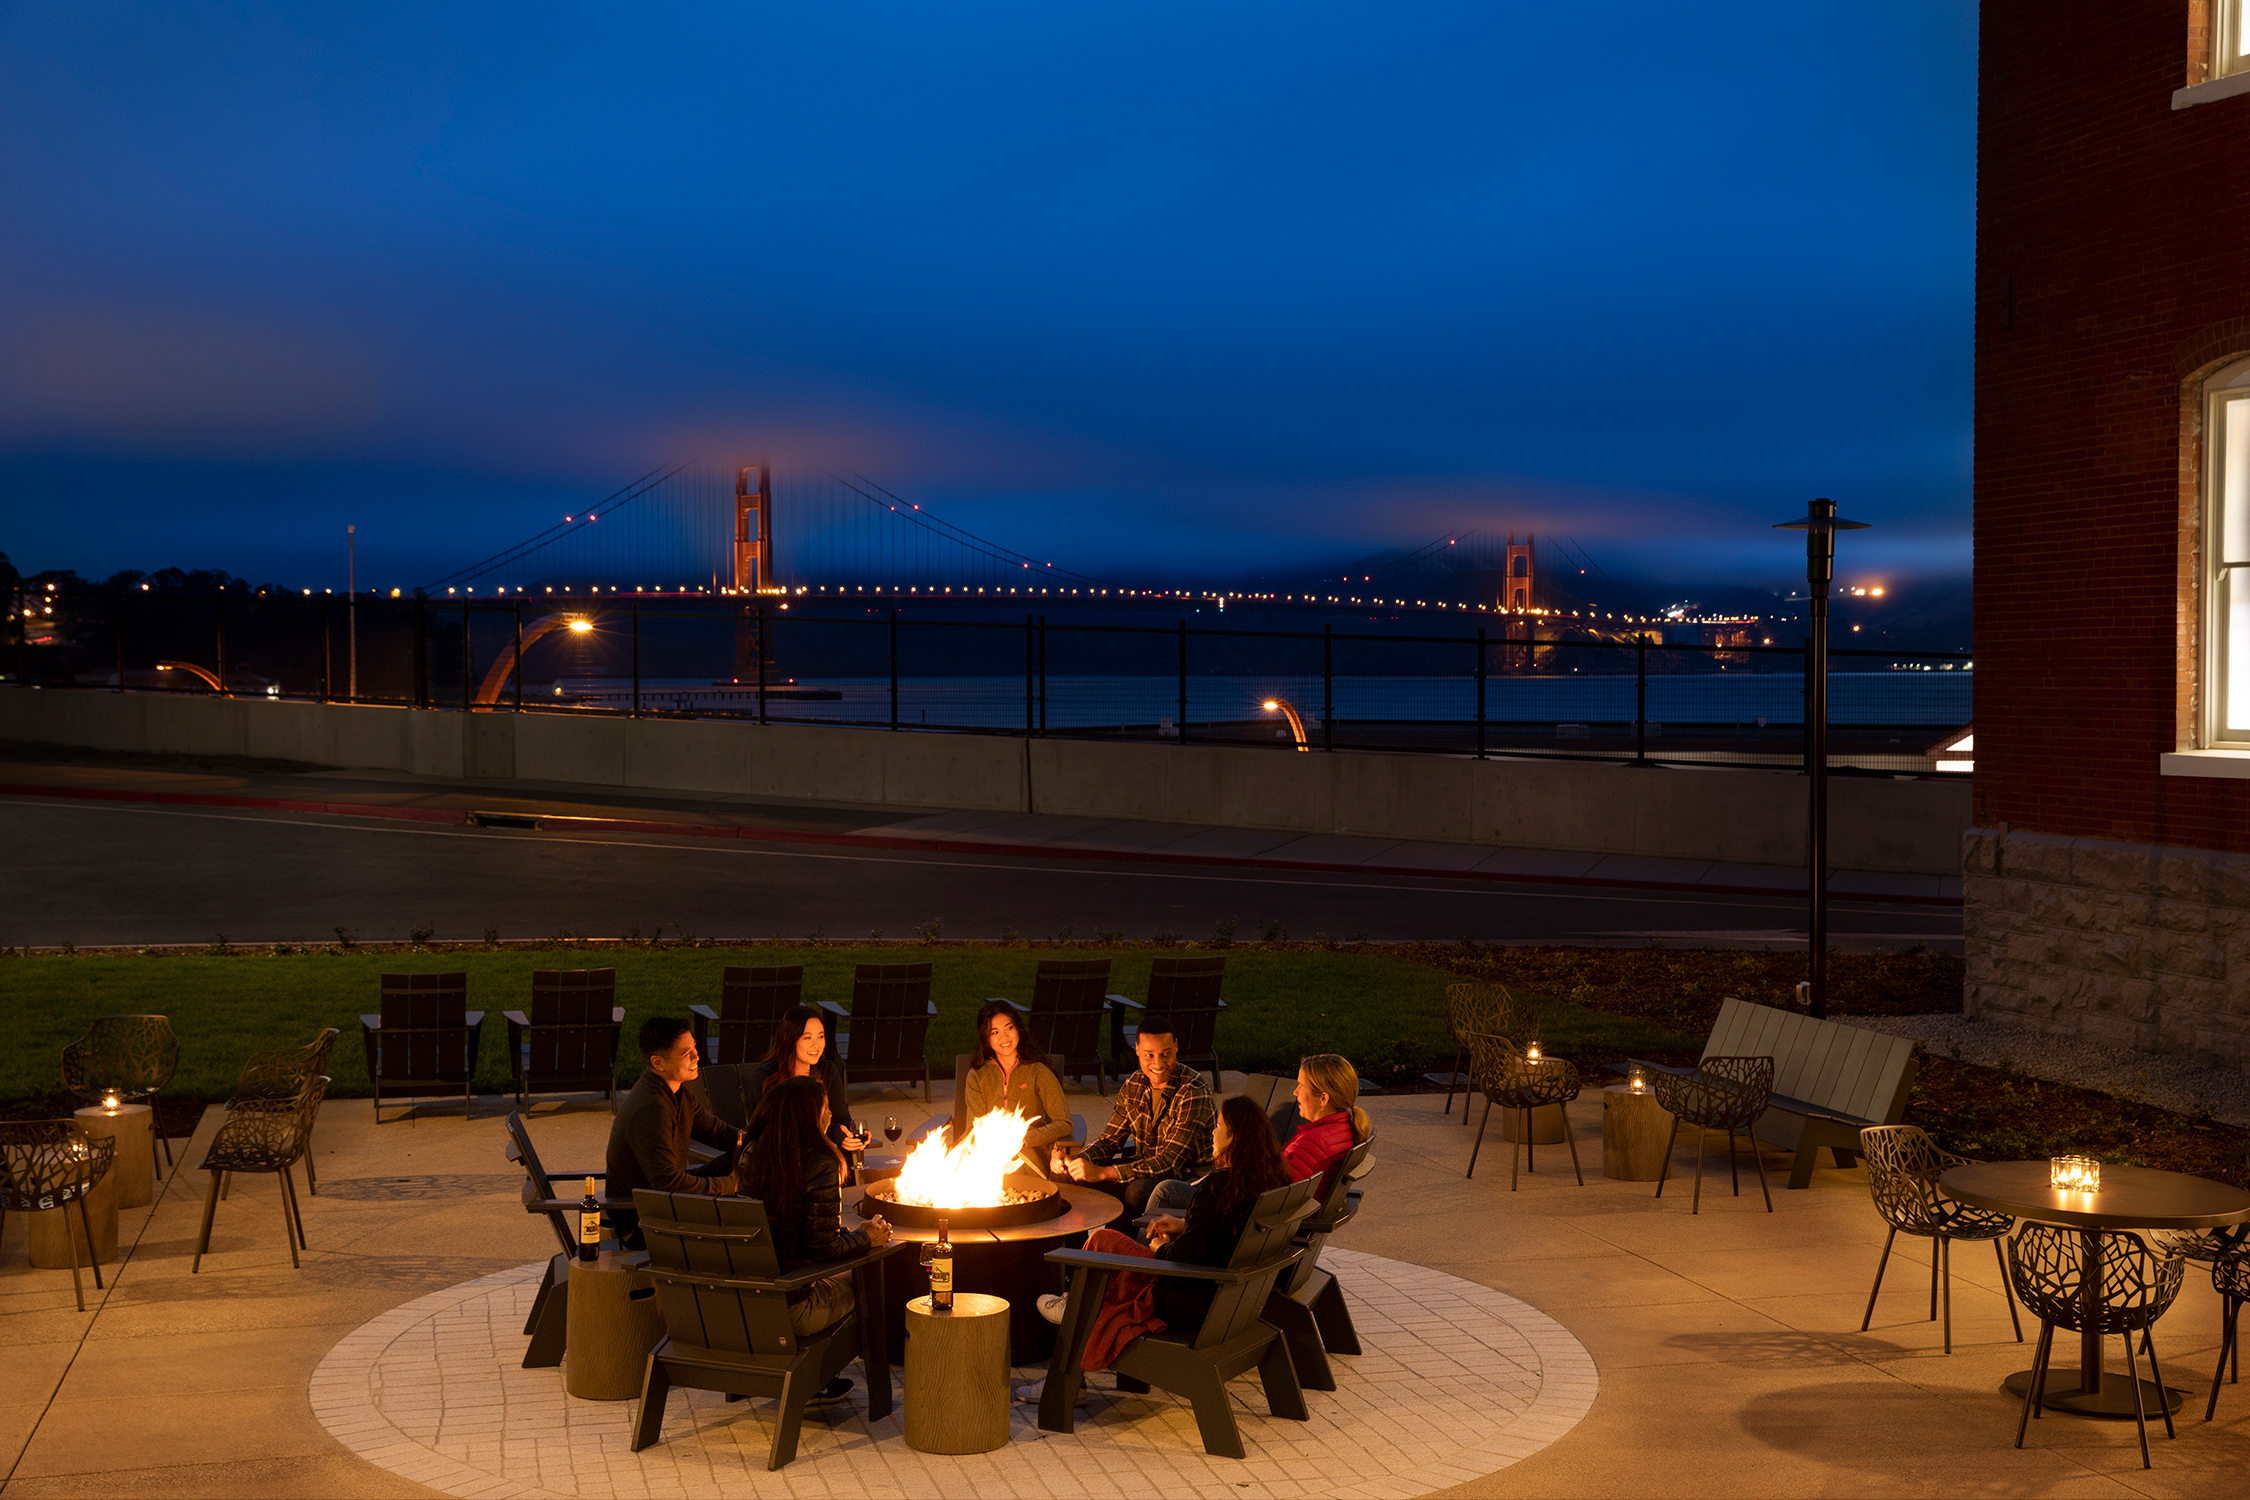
(1383, 1011)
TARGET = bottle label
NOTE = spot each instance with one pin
(941, 1283)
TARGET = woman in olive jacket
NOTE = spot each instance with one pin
(1012, 1074)
(797, 1173)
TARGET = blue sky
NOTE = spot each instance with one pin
(1208, 286)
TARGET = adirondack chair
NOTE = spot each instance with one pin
(1308, 1306)
(568, 1044)
(751, 1001)
(424, 1042)
(726, 1316)
(1068, 1006)
(890, 1025)
(550, 1309)
(1186, 992)
(1195, 1363)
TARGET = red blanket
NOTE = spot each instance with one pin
(1128, 1307)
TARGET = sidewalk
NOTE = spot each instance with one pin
(392, 794)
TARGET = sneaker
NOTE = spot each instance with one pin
(1030, 1393)
(839, 1387)
(1051, 1308)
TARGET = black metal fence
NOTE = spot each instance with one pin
(1509, 687)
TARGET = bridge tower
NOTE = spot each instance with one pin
(1516, 578)
(753, 528)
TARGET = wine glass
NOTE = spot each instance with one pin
(891, 1132)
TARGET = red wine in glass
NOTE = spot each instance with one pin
(891, 1131)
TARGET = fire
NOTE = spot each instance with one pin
(970, 1175)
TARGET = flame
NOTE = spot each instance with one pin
(970, 1175)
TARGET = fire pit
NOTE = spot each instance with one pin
(983, 1183)
(1032, 1203)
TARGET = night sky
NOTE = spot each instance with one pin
(1203, 288)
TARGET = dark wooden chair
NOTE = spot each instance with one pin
(1069, 1005)
(133, 1057)
(889, 1025)
(1194, 1363)
(751, 1001)
(726, 1316)
(1308, 1306)
(549, 1320)
(49, 1165)
(568, 1044)
(263, 1140)
(1185, 991)
(425, 1041)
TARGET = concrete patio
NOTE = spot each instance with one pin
(1726, 1345)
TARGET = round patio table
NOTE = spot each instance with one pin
(2129, 1198)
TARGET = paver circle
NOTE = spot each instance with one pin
(1456, 1380)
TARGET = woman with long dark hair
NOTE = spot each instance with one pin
(797, 1172)
(1247, 1162)
(1011, 1073)
(800, 1050)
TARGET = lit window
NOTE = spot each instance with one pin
(2226, 554)
(2230, 37)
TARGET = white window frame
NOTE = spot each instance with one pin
(2228, 35)
(2223, 671)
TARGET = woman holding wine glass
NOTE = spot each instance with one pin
(1012, 1074)
(801, 1050)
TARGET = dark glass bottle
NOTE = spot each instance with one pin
(941, 1271)
(589, 1224)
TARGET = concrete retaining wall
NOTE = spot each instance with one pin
(1749, 817)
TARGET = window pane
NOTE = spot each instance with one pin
(2231, 544)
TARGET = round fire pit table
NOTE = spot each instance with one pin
(1009, 1262)
(2129, 1198)
(957, 1374)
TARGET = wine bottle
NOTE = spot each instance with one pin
(941, 1271)
(589, 1224)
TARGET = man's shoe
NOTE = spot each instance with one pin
(1051, 1307)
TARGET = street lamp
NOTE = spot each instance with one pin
(1296, 724)
(1820, 525)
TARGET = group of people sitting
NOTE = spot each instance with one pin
(1188, 1170)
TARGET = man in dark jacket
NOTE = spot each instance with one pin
(648, 1142)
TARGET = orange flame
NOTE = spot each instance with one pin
(971, 1174)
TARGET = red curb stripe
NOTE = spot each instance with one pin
(570, 822)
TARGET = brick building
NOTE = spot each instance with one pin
(2108, 890)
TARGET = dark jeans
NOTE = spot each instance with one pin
(1132, 1192)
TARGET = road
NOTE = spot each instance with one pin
(99, 873)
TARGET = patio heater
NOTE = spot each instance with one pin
(1820, 525)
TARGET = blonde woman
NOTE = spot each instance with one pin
(1330, 1119)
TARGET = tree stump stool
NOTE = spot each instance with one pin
(52, 1230)
(1549, 1125)
(1635, 1131)
(133, 1169)
(613, 1322)
(957, 1375)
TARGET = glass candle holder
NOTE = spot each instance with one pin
(2076, 1174)
(1638, 1083)
(110, 1100)
(1531, 1052)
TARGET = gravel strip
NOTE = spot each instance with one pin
(2168, 1083)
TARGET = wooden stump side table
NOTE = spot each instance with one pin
(957, 1375)
(1635, 1132)
(1548, 1125)
(614, 1321)
(133, 1169)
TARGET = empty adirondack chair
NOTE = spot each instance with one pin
(1186, 992)
(889, 1025)
(568, 1044)
(1069, 1006)
(424, 1042)
(751, 1000)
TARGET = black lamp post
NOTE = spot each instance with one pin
(1820, 525)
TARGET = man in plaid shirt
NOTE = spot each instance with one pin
(1166, 1110)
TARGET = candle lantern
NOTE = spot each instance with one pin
(1531, 1052)
(110, 1100)
(1638, 1083)
(2074, 1174)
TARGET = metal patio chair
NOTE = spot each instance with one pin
(133, 1057)
(1903, 1167)
(1511, 1081)
(47, 1165)
(261, 1140)
(2132, 1287)
(1723, 1093)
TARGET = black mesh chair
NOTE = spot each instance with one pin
(2099, 1281)
(1512, 1081)
(133, 1057)
(2230, 1278)
(263, 1140)
(751, 1000)
(50, 1164)
(1903, 1167)
(1723, 1093)
(1480, 1008)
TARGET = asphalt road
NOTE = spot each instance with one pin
(95, 873)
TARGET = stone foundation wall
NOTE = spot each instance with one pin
(2134, 945)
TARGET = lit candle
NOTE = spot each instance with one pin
(1532, 1052)
(1639, 1084)
(109, 1100)
(2075, 1174)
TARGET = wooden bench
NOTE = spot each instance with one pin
(1829, 1079)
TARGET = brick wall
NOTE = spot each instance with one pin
(2113, 274)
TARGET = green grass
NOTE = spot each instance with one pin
(1384, 1012)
